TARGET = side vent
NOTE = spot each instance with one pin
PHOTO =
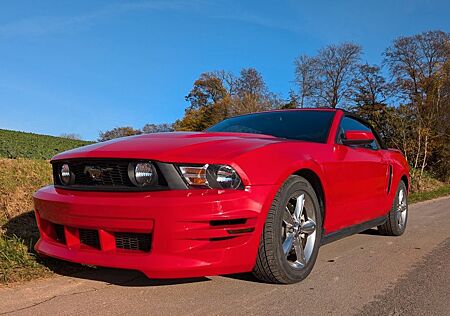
(389, 179)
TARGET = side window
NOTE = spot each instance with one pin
(348, 124)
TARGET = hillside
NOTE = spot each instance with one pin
(15, 144)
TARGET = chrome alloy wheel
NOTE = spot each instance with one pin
(402, 209)
(298, 230)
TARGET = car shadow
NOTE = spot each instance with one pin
(371, 231)
(24, 228)
(130, 278)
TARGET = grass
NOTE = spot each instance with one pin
(17, 263)
(15, 144)
(429, 195)
(20, 176)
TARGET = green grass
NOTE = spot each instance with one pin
(423, 196)
(19, 178)
(17, 263)
(15, 144)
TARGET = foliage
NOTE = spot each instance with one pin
(428, 195)
(15, 144)
(420, 67)
(16, 263)
(130, 131)
(157, 128)
(220, 94)
(70, 136)
(19, 178)
(118, 132)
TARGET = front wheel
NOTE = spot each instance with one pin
(398, 216)
(291, 237)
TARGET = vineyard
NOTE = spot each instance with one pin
(15, 144)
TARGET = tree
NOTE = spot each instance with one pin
(157, 128)
(209, 101)
(293, 101)
(118, 132)
(326, 79)
(207, 90)
(419, 67)
(369, 87)
(220, 94)
(71, 136)
(305, 77)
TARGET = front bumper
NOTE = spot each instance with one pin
(192, 232)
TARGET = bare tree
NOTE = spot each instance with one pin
(71, 136)
(369, 86)
(306, 76)
(326, 79)
(118, 132)
(157, 128)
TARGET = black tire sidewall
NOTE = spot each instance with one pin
(393, 214)
(295, 185)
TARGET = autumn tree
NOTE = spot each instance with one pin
(220, 94)
(419, 67)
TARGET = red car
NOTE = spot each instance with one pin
(258, 192)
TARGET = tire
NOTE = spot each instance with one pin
(397, 218)
(291, 236)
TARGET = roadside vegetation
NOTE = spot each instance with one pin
(15, 144)
(406, 97)
(19, 178)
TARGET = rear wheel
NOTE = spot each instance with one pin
(398, 216)
(291, 237)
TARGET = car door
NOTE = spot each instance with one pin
(358, 175)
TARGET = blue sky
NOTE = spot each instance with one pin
(85, 66)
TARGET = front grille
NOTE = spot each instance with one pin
(111, 175)
(133, 241)
(89, 237)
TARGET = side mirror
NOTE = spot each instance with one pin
(358, 138)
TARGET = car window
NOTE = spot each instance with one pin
(304, 125)
(350, 124)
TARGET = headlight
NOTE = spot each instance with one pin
(65, 175)
(227, 178)
(211, 176)
(142, 173)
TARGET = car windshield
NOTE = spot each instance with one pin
(307, 125)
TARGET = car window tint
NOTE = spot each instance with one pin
(304, 125)
(350, 124)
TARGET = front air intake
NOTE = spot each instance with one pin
(133, 241)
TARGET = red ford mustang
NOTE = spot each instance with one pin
(258, 192)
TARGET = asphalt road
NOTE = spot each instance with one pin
(364, 274)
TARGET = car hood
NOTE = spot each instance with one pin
(203, 147)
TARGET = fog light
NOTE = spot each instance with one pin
(65, 175)
(142, 174)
